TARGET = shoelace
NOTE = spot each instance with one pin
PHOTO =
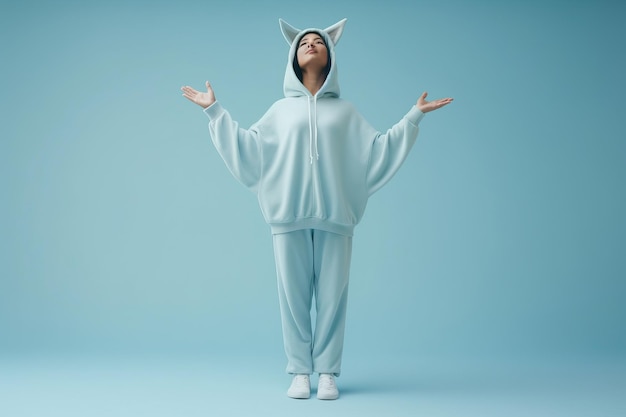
(329, 381)
(301, 381)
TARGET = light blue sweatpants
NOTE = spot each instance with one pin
(312, 262)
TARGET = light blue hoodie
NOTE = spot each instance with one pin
(313, 161)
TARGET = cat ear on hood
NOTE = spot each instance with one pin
(289, 32)
(336, 30)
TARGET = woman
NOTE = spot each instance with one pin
(313, 162)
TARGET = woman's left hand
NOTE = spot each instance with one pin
(426, 106)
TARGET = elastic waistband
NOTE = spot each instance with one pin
(312, 223)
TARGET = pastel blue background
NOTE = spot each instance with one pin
(136, 269)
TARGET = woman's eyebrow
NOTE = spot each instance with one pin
(314, 39)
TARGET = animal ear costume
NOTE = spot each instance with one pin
(333, 32)
(313, 162)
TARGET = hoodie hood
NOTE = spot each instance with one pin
(292, 86)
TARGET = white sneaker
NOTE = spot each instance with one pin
(326, 388)
(300, 387)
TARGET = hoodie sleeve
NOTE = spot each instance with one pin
(239, 148)
(390, 149)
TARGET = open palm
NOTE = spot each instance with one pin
(426, 106)
(199, 97)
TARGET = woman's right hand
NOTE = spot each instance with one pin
(201, 99)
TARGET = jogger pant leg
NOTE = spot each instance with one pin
(308, 262)
(294, 269)
(332, 255)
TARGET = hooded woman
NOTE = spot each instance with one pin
(313, 161)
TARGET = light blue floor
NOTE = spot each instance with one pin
(122, 386)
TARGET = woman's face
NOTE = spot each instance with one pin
(312, 53)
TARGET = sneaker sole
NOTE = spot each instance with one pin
(298, 396)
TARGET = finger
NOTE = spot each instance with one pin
(443, 102)
(190, 92)
(422, 98)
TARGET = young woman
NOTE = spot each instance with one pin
(313, 162)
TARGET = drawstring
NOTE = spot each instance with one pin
(308, 100)
(313, 129)
(317, 155)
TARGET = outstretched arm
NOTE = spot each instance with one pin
(238, 147)
(426, 106)
(390, 149)
(201, 99)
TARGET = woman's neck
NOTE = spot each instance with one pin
(313, 81)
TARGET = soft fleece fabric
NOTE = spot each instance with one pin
(309, 262)
(312, 160)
